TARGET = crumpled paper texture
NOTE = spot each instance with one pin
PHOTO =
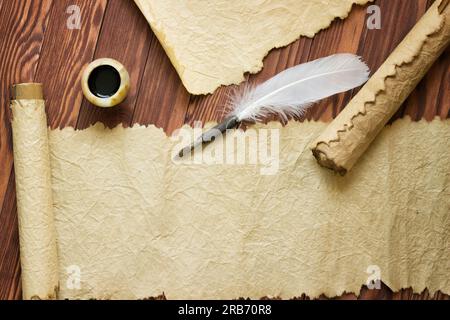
(213, 43)
(137, 225)
(344, 141)
(38, 253)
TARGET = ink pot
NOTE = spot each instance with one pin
(105, 83)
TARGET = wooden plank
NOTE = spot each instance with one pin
(9, 247)
(162, 99)
(398, 18)
(64, 54)
(126, 37)
(22, 26)
(343, 37)
(20, 46)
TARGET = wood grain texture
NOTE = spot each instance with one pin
(64, 54)
(36, 45)
(10, 285)
(162, 100)
(22, 28)
(20, 46)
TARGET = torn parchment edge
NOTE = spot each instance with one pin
(391, 71)
(291, 125)
(161, 132)
(180, 68)
(392, 286)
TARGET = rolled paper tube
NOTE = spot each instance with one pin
(38, 248)
(344, 141)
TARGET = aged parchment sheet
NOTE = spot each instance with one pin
(130, 223)
(213, 43)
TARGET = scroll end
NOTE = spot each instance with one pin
(27, 91)
(327, 163)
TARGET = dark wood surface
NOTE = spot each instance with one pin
(36, 45)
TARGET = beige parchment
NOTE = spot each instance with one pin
(344, 141)
(135, 224)
(213, 43)
(38, 252)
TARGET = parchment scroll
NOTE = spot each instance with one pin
(38, 253)
(131, 223)
(340, 146)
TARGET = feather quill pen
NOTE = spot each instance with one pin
(290, 93)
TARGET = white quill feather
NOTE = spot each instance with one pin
(292, 92)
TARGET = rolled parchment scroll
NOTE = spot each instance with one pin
(344, 141)
(38, 251)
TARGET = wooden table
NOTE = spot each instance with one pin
(36, 45)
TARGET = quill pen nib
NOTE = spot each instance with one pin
(211, 135)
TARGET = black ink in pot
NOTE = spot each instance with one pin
(104, 81)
